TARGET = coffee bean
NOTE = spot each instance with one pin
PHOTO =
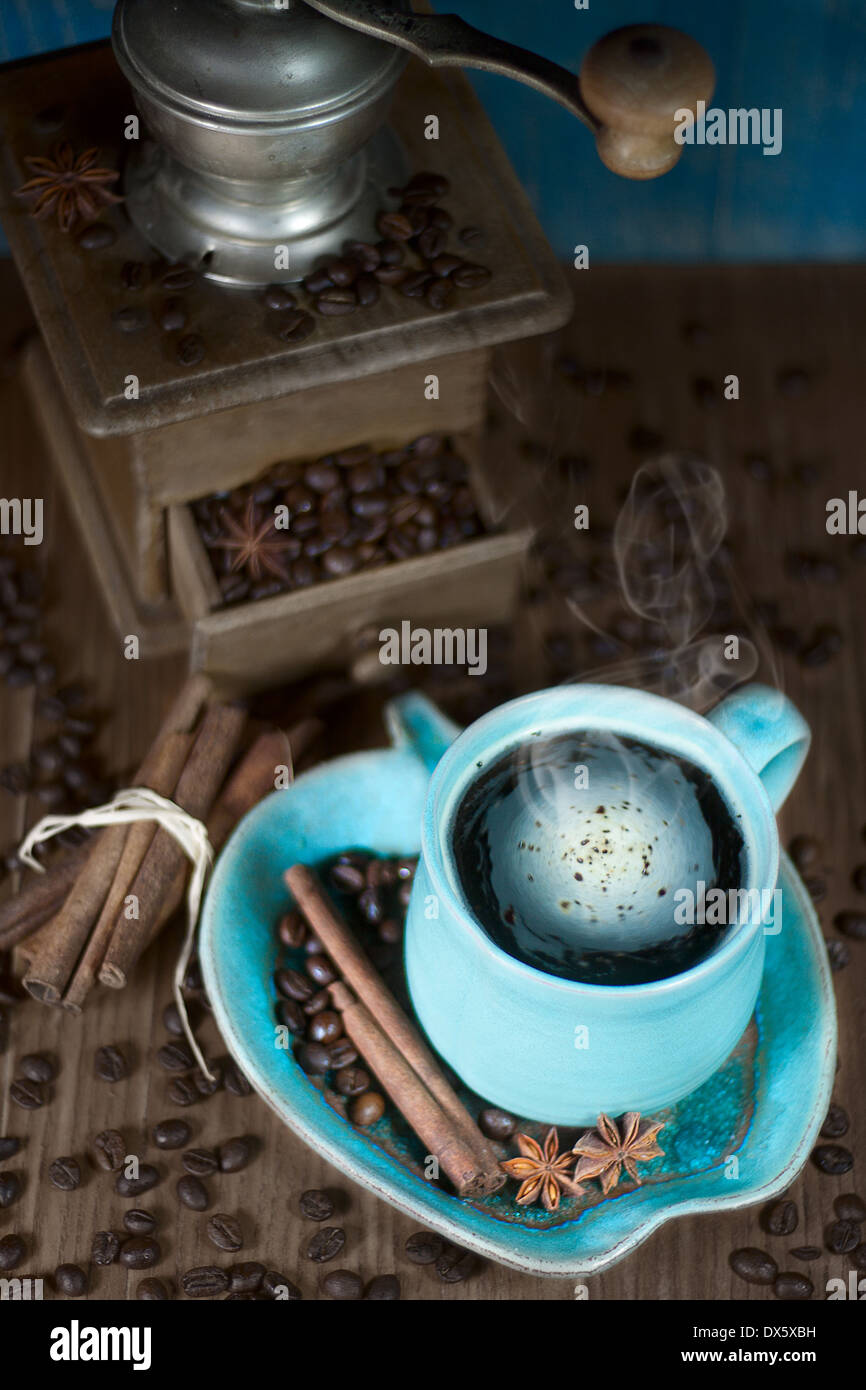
(71, 1280)
(148, 1177)
(129, 319)
(316, 1205)
(792, 1286)
(175, 1056)
(838, 954)
(325, 1027)
(193, 1193)
(246, 1278)
(292, 930)
(342, 1053)
(342, 1284)
(836, 1124)
(235, 1081)
(454, 1266)
(170, 1134)
(65, 1174)
(200, 1162)
(235, 1154)
(225, 1231)
(366, 1109)
(134, 275)
(28, 1094)
(178, 277)
(780, 1218)
(335, 303)
(469, 276)
(805, 851)
(12, 1251)
(318, 281)
(755, 1266)
(851, 924)
(391, 275)
(439, 294)
(833, 1159)
(279, 1287)
(314, 1058)
(152, 1291)
(140, 1252)
(110, 1064)
(10, 1189)
(367, 290)
(432, 242)
(385, 1288)
(320, 969)
(182, 1091)
(104, 1248)
(340, 561)
(172, 1021)
(293, 984)
(806, 1253)
(394, 226)
(9, 1146)
(208, 1085)
(190, 350)
(38, 1067)
(109, 1150)
(297, 326)
(326, 1244)
(850, 1207)
(206, 1281)
(138, 1222)
(291, 1015)
(496, 1124)
(352, 1081)
(347, 878)
(842, 1236)
(415, 285)
(278, 298)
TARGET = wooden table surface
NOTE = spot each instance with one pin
(794, 338)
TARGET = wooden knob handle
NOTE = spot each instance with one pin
(634, 81)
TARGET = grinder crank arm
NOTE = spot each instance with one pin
(634, 86)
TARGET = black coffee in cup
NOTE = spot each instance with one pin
(590, 856)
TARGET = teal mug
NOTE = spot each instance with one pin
(562, 1050)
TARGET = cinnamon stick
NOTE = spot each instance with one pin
(62, 940)
(167, 767)
(40, 898)
(197, 786)
(445, 1141)
(340, 944)
(249, 784)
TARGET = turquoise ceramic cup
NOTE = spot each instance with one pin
(559, 1050)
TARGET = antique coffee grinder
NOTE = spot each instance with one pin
(183, 352)
(268, 117)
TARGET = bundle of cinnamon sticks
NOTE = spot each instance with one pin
(394, 1049)
(90, 917)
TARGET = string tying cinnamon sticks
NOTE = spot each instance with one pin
(403, 1062)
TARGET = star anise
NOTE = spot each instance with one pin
(256, 544)
(603, 1152)
(71, 186)
(543, 1173)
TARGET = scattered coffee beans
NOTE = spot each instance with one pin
(10, 1189)
(138, 1222)
(12, 1251)
(792, 1286)
(200, 1162)
(496, 1124)
(30, 1095)
(780, 1218)
(316, 1205)
(806, 1253)
(326, 1244)
(246, 1278)
(842, 1236)
(140, 1252)
(71, 1280)
(366, 1109)
(38, 1067)
(105, 1248)
(9, 1146)
(170, 1134)
(109, 1150)
(225, 1232)
(755, 1266)
(850, 1207)
(384, 1288)
(836, 1124)
(65, 1174)
(110, 1064)
(206, 1281)
(342, 1284)
(152, 1291)
(235, 1154)
(193, 1193)
(833, 1159)
(148, 1177)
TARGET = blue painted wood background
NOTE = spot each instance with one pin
(721, 203)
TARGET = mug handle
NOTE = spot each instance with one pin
(414, 722)
(769, 731)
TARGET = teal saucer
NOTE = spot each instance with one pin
(739, 1139)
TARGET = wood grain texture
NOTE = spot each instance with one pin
(759, 323)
